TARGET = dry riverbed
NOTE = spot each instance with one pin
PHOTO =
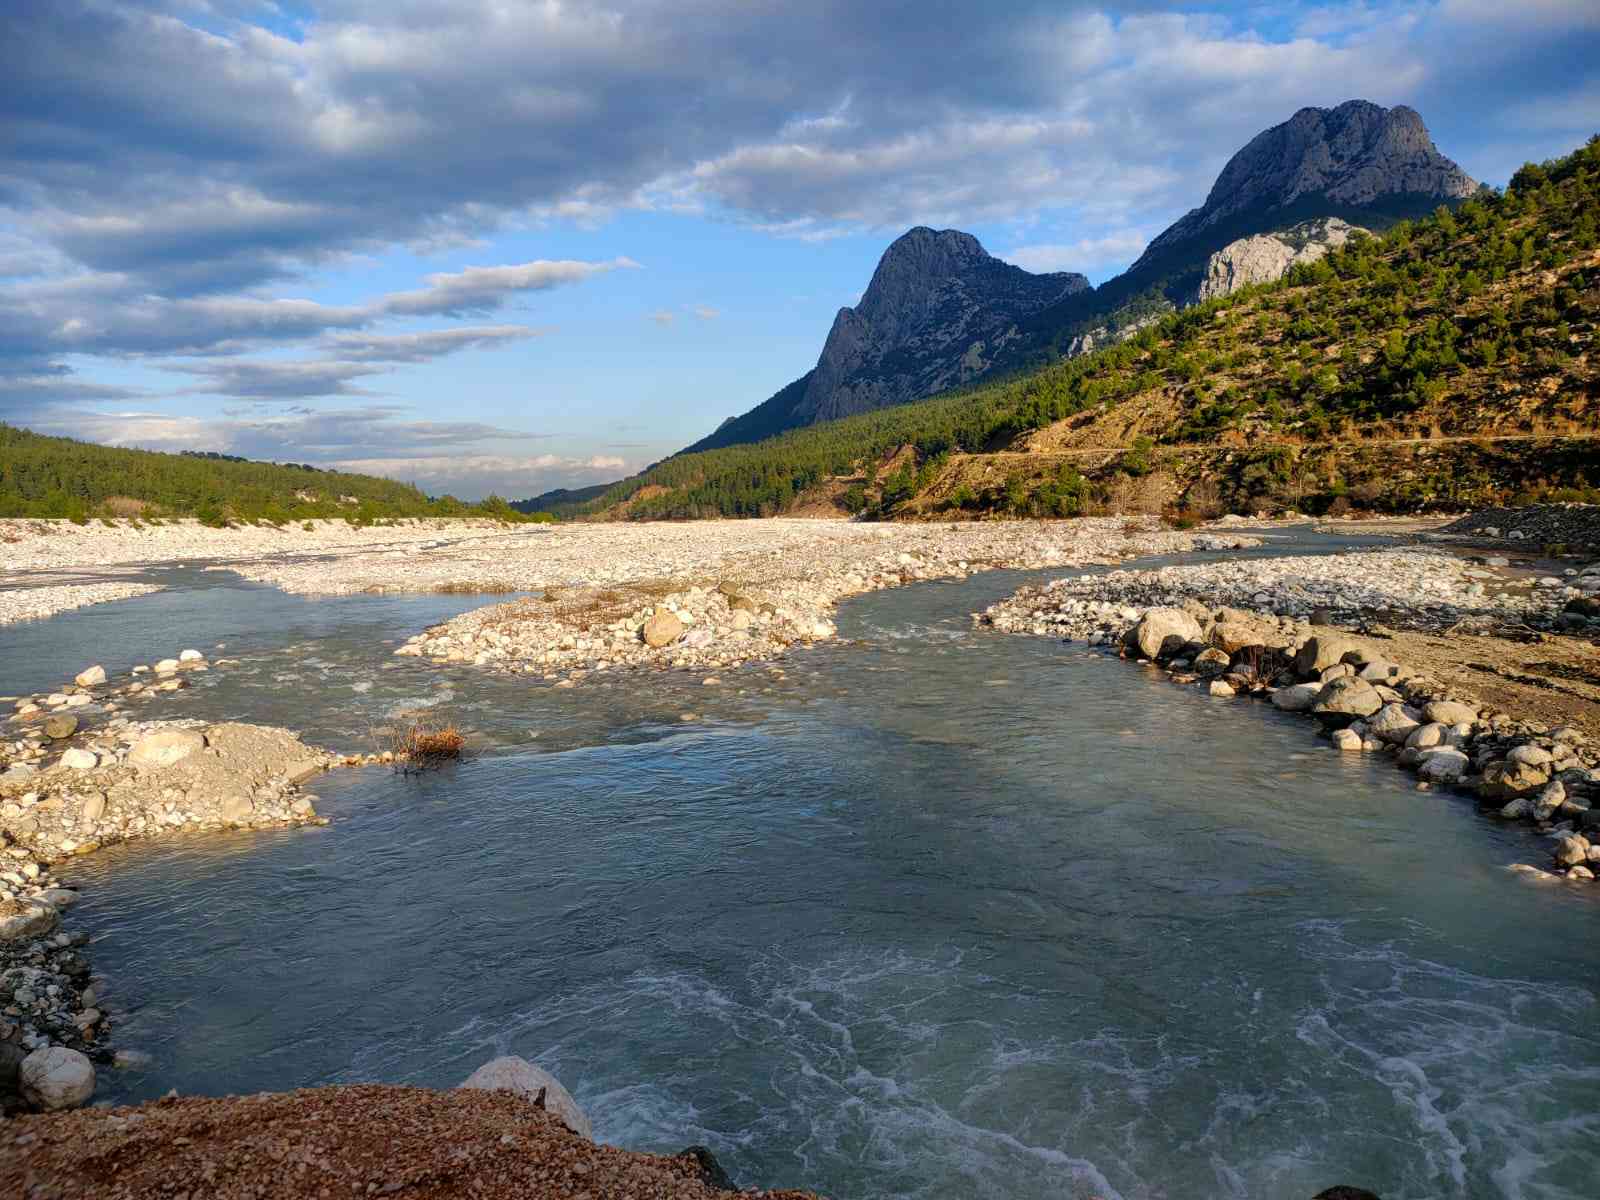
(715, 595)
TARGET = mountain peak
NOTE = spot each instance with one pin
(1353, 155)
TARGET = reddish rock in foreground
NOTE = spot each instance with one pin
(357, 1140)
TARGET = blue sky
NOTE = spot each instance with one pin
(489, 245)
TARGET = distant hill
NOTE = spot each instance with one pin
(560, 500)
(941, 313)
(1448, 362)
(58, 477)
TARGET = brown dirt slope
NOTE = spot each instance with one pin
(359, 1140)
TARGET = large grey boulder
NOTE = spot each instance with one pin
(513, 1074)
(1393, 723)
(19, 921)
(1165, 631)
(166, 747)
(1450, 712)
(1298, 698)
(1443, 765)
(1344, 700)
(1317, 654)
(55, 1077)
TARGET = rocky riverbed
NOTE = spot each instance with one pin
(77, 773)
(1327, 637)
(743, 592)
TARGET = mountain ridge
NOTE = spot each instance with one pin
(1358, 162)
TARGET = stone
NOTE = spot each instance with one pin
(90, 677)
(1425, 737)
(301, 771)
(1579, 872)
(1444, 765)
(1393, 723)
(1346, 739)
(662, 630)
(1343, 700)
(236, 808)
(1212, 662)
(1508, 780)
(190, 656)
(1218, 688)
(1236, 635)
(1165, 631)
(56, 1077)
(61, 726)
(518, 1075)
(166, 666)
(79, 759)
(1531, 756)
(166, 747)
(1572, 850)
(1549, 799)
(94, 807)
(26, 921)
(1298, 698)
(1450, 712)
(1515, 810)
(1264, 257)
(1316, 654)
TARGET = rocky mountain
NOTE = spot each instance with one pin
(1356, 156)
(1263, 257)
(940, 311)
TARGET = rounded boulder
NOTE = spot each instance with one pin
(513, 1074)
(1165, 631)
(54, 1077)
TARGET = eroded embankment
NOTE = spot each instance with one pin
(1383, 650)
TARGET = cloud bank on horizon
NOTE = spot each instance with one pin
(262, 228)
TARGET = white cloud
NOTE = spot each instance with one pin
(705, 312)
(482, 289)
(663, 316)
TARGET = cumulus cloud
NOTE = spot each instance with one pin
(705, 312)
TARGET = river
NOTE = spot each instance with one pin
(931, 911)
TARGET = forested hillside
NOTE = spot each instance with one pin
(58, 477)
(1449, 361)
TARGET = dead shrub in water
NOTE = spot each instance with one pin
(422, 746)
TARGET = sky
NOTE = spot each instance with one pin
(489, 245)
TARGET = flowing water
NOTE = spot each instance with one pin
(929, 912)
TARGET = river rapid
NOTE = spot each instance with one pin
(928, 911)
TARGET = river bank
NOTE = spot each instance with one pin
(1389, 652)
(510, 1131)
